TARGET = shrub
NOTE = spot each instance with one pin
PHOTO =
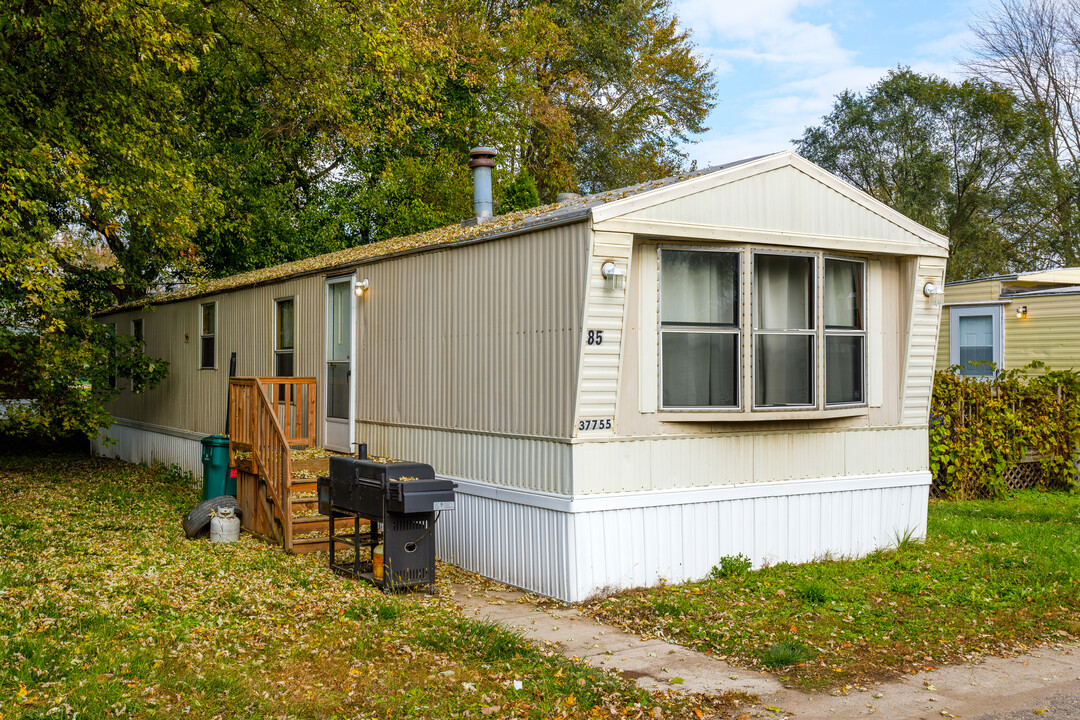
(979, 428)
(730, 566)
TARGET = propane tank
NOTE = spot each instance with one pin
(377, 562)
(224, 525)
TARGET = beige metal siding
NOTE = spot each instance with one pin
(1050, 333)
(480, 337)
(194, 399)
(921, 341)
(784, 200)
(530, 464)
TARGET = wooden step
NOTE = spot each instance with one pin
(302, 502)
(311, 523)
(310, 545)
(303, 485)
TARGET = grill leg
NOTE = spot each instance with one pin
(356, 545)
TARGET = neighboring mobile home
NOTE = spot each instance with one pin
(1011, 321)
(626, 387)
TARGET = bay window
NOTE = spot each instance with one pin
(799, 345)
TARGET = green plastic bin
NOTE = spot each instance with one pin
(215, 464)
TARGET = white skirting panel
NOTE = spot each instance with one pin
(148, 443)
(521, 545)
(572, 548)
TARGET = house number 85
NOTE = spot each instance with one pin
(596, 337)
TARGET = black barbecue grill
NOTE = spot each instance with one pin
(403, 498)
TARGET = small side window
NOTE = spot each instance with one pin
(207, 336)
(976, 340)
(284, 343)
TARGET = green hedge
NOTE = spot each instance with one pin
(980, 427)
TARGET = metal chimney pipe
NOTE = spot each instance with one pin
(481, 160)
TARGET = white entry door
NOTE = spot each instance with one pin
(339, 427)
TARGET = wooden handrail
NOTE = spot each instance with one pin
(293, 402)
(254, 424)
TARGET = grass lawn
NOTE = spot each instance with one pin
(106, 610)
(991, 578)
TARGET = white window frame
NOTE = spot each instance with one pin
(816, 344)
(996, 312)
(748, 314)
(863, 333)
(214, 335)
(277, 350)
(676, 328)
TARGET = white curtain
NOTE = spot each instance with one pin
(784, 363)
(784, 286)
(842, 294)
(699, 289)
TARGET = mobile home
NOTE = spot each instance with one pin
(1011, 321)
(626, 387)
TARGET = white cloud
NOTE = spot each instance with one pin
(781, 63)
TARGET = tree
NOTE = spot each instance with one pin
(1032, 47)
(519, 194)
(132, 128)
(950, 156)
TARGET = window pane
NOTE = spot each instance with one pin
(285, 325)
(783, 366)
(208, 319)
(207, 349)
(785, 291)
(284, 364)
(340, 326)
(337, 390)
(976, 341)
(700, 369)
(137, 329)
(699, 287)
(843, 369)
(843, 294)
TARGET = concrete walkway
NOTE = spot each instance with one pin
(993, 686)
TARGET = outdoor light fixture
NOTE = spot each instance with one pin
(1021, 312)
(361, 287)
(613, 276)
(935, 293)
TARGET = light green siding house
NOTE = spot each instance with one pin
(1012, 320)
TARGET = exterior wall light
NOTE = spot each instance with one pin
(361, 287)
(614, 278)
(1021, 312)
(936, 293)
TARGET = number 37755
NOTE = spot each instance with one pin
(594, 424)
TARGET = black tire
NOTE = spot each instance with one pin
(197, 521)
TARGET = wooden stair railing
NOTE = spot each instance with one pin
(260, 409)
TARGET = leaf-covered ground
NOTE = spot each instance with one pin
(993, 577)
(106, 610)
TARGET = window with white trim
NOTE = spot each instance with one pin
(284, 343)
(207, 336)
(699, 328)
(975, 339)
(802, 341)
(845, 331)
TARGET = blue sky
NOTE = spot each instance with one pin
(780, 63)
